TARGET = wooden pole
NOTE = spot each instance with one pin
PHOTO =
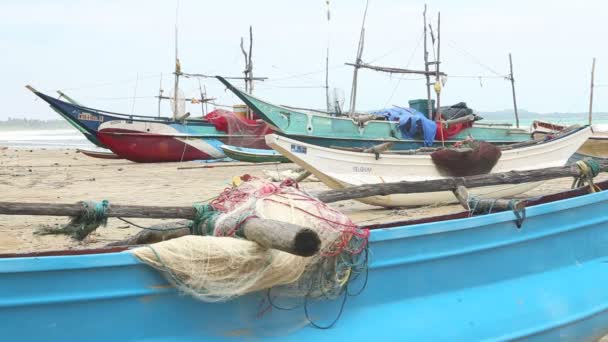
(246, 71)
(392, 70)
(486, 205)
(591, 93)
(69, 99)
(437, 62)
(249, 63)
(160, 93)
(426, 68)
(449, 184)
(358, 61)
(177, 74)
(279, 235)
(327, 62)
(513, 90)
(327, 79)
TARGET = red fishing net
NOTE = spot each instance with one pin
(240, 131)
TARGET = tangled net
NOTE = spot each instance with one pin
(219, 266)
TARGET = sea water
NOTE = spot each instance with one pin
(71, 138)
(44, 138)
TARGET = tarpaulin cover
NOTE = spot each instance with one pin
(248, 133)
(412, 124)
(453, 129)
(456, 111)
(479, 159)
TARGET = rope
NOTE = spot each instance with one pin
(204, 220)
(92, 215)
(519, 214)
(589, 169)
(151, 228)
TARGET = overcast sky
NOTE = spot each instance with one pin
(95, 50)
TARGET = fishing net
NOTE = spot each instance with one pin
(178, 104)
(240, 131)
(471, 157)
(219, 266)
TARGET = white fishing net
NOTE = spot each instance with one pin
(222, 266)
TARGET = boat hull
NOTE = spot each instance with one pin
(595, 147)
(470, 279)
(252, 155)
(156, 148)
(339, 169)
(151, 142)
(98, 154)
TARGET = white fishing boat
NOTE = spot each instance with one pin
(340, 168)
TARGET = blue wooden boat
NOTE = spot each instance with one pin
(447, 278)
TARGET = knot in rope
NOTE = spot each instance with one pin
(589, 168)
(90, 217)
(204, 219)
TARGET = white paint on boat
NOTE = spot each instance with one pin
(339, 168)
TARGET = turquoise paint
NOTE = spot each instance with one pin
(478, 278)
(329, 131)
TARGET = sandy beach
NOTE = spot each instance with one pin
(66, 176)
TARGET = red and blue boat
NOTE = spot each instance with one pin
(161, 139)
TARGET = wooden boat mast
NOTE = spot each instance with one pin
(438, 83)
(426, 67)
(512, 79)
(426, 72)
(327, 62)
(358, 62)
(591, 92)
(160, 92)
(248, 64)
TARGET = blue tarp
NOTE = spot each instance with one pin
(412, 124)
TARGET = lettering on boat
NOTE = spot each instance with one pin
(365, 169)
(298, 148)
(89, 117)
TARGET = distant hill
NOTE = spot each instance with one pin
(28, 124)
(508, 115)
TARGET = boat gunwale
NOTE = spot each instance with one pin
(394, 156)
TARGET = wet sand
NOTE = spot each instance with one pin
(65, 176)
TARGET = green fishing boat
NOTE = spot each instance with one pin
(342, 131)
